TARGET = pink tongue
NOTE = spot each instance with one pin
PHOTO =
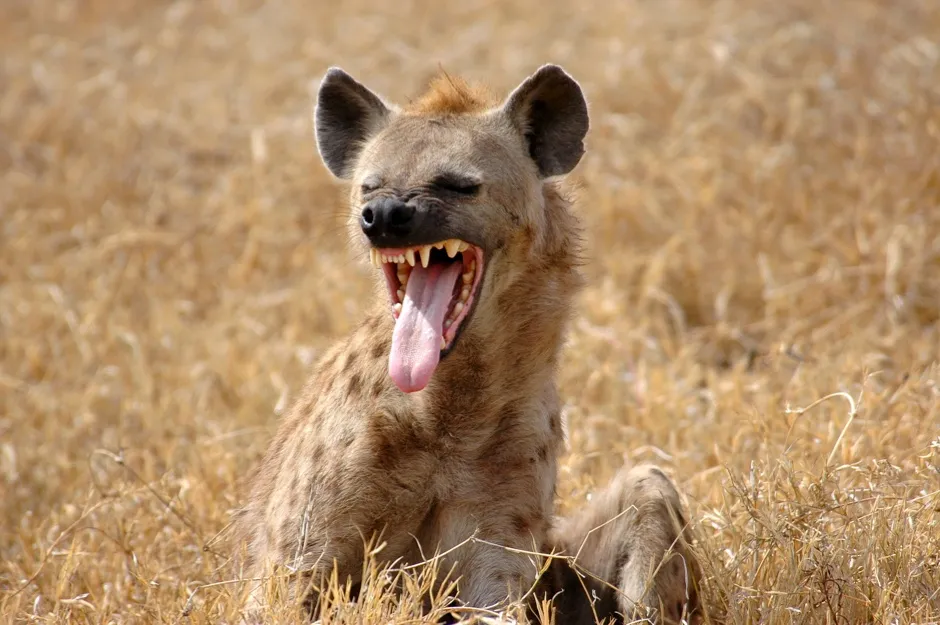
(416, 343)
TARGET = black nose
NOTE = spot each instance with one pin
(387, 217)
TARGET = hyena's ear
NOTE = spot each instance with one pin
(346, 115)
(549, 109)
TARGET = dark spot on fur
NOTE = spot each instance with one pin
(382, 450)
(520, 524)
(543, 452)
(503, 454)
(554, 422)
(379, 349)
(378, 388)
(355, 384)
(350, 361)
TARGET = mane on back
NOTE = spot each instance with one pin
(451, 95)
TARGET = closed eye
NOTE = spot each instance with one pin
(456, 184)
(370, 184)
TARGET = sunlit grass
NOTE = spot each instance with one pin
(762, 319)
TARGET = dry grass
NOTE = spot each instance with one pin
(763, 207)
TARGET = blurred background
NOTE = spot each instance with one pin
(762, 206)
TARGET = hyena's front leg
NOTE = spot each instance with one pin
(493, 551)
(632, 536)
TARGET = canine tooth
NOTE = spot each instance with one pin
(397, 309)
(372, 256)
(464, 294)
(464, 246)
(458, 307)
(410, 257)
(425, 252)
(401, 294)
(452, 246)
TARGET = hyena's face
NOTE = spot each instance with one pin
(446, 195)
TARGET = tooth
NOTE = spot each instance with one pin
(373, 256)
(425, 251)
(458, 307)
(443, 342)
(410, 257)
(464, 294)
(401, 258)
(403, 272)
(438, 245)
(447, 322)
(397, 309)
(384, 258)
(452, 246)
(468, 277)
(463, 246)
(401, 294)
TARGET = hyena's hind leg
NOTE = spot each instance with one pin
(632, 536)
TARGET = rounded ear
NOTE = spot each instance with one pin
(550, 111)
(346, 115)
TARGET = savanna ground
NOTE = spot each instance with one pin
(762, 202)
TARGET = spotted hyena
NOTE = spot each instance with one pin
(436, 423)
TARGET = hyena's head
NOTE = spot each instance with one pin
(448, 196)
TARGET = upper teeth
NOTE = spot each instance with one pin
(425, 252)
(451, 246)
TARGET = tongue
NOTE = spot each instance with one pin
(416, 343)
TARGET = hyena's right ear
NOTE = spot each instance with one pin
(346, 115)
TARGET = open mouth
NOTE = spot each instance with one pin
(432, 290)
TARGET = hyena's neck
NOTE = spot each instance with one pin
(511, 356)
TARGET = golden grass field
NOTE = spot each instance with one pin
(761, 196)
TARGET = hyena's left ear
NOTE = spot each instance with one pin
(346, 115)
(549, 109)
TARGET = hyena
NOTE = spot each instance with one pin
(436, 424)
